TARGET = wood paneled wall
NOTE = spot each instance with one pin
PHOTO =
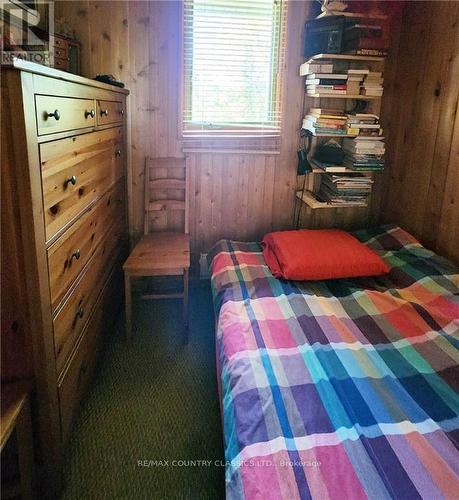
(420, 185)
(241, 196)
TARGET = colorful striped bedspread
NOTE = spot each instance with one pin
(341, 389)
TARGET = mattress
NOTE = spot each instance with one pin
(340, 388)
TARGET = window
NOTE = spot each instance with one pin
(233, 52)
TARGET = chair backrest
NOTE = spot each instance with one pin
(166, 195)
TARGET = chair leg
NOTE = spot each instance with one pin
(185, 302)
(25, 451)
(128, 301)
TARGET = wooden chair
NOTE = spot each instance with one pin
(15, 416)
(164, 249)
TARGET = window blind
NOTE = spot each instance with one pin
(233, 56)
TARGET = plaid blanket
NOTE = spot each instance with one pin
(340, 389)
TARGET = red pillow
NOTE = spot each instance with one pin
(319, 254)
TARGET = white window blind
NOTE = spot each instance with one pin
(233, 56)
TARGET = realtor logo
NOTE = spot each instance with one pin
(27, 26)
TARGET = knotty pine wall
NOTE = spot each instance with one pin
(242, 196)
(420, 185)
(237, 195)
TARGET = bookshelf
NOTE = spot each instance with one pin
(346, 102)
(344, 57)
(314, 203)
(343, 96)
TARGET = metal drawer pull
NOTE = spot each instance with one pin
(79, 313)
(118, 152)
(55, 115)
(76, 254)
(122, 112)
(104, 112)
(89, 113)
(71, 180)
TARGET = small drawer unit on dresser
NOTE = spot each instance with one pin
(65, 143)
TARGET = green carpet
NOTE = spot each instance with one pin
(153, 400)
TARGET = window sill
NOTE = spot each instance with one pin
(232, 145)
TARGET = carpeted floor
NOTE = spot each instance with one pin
(153, 400)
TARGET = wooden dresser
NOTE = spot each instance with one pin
(64, 236)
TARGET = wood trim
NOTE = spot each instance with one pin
(232, 151)
(181, 78)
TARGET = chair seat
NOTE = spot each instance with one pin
(157, 254)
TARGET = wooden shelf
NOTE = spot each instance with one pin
(345, 57)
(314, 203)
(359, 97)
(347, 136)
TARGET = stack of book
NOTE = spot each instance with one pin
(326, 83)
(316, 67)
(348, 189)
(354, 80)
(364, 153)
(325, 121)
(373, 84)
(363, 124)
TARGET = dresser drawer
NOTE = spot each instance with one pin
(62, 64)
(69, 254)
(76, 171)
(72, 316)
(109, 112)
(59, 114)
(60, 42)
(61, 51)
(76, 377)
(79, 371)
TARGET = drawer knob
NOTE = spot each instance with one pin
(76, 254)
(89, 113)
(104, 112)
(55, 114)
(118, 152)
(122, 112)
(71, 180)
(80, 312)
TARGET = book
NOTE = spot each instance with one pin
(325, 92)
(307, 125)
(327, 111)
(363, 116)
(375, 126)
(325, 119)
(358, 71)
(372, 93)
(328, 168)
(325, 81)
(326, 86)
(333, 76)
(367, 52)
(307, 68)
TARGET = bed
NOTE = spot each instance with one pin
(341, 388)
